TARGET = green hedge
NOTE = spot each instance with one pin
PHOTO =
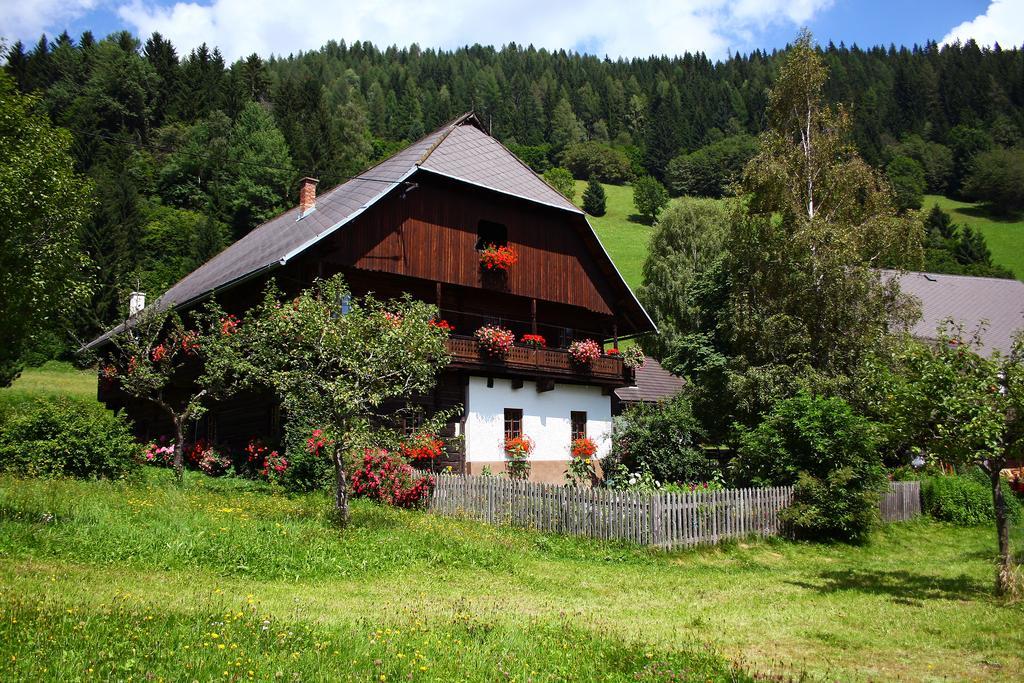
(62, 437)
(964, 500)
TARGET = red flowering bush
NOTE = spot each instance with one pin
(190, 342)
(317, 443)
(443, 325)
(228, 325)
(517, 453)
(423, 447)
(204, 456)
(269, 463)
(389, 479)
(534, 340)
(494, 257)
(159, 353)
(584, 351)
(495, 340)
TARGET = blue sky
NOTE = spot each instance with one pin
(615, 27)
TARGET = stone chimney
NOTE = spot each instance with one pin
(307, 196)
(136, 302)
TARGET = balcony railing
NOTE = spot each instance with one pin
(544, 363)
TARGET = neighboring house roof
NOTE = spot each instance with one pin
(969, 301)
(653, 383)
(459, 150)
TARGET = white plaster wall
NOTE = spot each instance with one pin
(545, 418)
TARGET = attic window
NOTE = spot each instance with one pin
(489, 232)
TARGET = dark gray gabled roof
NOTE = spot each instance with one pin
(653, 383)
(459, 150)
(969, 301)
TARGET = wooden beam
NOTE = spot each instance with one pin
(517, 383)
(545, 385)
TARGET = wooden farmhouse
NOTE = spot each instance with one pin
(416, 223)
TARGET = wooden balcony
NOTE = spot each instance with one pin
(543, 364)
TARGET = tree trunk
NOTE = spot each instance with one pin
(340, 487)
(179, 448)
(1005, 569)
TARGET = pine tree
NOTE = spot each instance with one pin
(594, 198)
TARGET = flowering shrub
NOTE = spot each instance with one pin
(269, 463)
(206, 458)
(517, 451)
(159, 353)
(423, 447)
(228, 325)
(584, 351)
(494, 340)
(494, 257)
(534, 340)
(160, 452)
(316, 443)
(389, 479)
(190, 342)
(443, 325)
(274, 464)
(634, 357)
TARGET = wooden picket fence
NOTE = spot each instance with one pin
(664, 520)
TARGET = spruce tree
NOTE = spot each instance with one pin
(594, 198)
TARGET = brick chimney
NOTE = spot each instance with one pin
(307, 196)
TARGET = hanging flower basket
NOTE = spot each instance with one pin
(498, 258)
(495, 341)
(633, 357)
(584, 351)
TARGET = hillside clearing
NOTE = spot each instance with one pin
(621, 231)
(1005, 237)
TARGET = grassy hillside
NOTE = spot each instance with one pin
(627, 239)
(621, 231)
(145, 579)
(1005, 237)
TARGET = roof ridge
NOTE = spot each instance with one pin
(962, 276)
(458, 121)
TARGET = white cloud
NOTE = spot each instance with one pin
(614, 27)
(28, 19)
(1002, 22)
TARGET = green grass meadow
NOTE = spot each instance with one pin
(621, 231)
(626, 238)
(230, 580)
(1005, 236)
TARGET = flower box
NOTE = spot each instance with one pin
(498, 258)
(584, 351)
(495, 341)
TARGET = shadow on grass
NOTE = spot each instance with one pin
(640, 220)
(987, 213)
(905, 587)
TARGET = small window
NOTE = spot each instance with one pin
(578, 420)
(412, 423)
(489, 232)
(513, 422)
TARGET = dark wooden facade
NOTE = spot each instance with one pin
(423, 240)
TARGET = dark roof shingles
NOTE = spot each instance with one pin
(969, 301)
(653, 383)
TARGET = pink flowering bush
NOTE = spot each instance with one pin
(584, 351)
(160, 452)
(495, 340)
(389, 479)
(270, 464)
